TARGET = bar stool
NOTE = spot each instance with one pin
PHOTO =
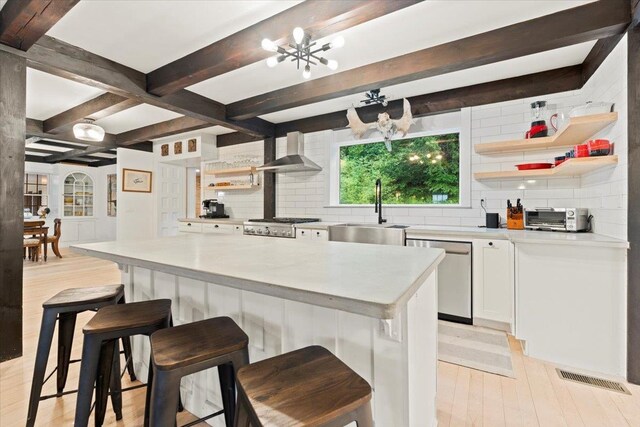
(307, 387)
(194, 347)
(64, 308)
(98, 364)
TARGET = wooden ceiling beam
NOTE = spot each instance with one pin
(553, 81)
(35, 128)
(601, 19)
(319, 18)
(71, 62)
(57, 144)
(97, 108)
(160, 130)
(24, 22)
(598, 54)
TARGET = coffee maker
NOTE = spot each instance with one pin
(212, 209)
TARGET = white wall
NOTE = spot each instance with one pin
(136, 211)
(100, 227)
(603, 192)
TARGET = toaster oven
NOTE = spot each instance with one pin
(557, 219)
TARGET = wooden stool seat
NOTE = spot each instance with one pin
(31, 242)
(129, 316)
(75, 296)
(196, 342)
(307, 387)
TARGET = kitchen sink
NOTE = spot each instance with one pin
(380, 234)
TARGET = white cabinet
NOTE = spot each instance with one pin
(311, 234)
(217, 228)
(190, 227)
(493, 283)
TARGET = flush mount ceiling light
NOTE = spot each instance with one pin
(303, 52)
(88, 131)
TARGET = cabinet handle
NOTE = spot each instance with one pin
(490, 243)
(188, 224)
(301, 232)
(317, 233)
(216, 226)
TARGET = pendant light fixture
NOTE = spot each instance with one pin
(303, 52)
(87, 130)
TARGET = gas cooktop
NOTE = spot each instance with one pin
(283, 220)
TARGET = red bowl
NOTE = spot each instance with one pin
(531, 166)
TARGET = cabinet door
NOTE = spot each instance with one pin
(217, 228)
(493, 282)
(319, 234)
(189, 227)
(303, 233)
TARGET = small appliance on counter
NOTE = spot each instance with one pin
(515, 219)
(557, 219)
(212, 209)
(539, 126)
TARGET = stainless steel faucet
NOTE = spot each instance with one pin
(378, 202)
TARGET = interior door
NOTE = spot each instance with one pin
(172, 189)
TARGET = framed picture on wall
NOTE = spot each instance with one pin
(177, 147)
(192, 145)
(137, 181)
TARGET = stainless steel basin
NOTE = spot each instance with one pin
(368, 233)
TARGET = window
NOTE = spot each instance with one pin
(35, 192)
(78, 195)
(431, 168)
(112, 190)
(418, 171)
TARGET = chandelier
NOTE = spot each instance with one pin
(302, 52)
(88, 131)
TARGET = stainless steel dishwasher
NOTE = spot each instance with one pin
(454, 279)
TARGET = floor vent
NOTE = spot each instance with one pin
(596, 382)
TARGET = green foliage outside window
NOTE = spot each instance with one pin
(423, 170)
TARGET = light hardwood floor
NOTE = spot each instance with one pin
(466, 397)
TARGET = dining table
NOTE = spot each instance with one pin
(36, 227)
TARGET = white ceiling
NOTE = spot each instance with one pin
(148, 34)
(563, 57)
(48, 95)
(423, 25)
(136, 117)
(213, 130)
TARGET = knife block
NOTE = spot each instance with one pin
(515, 220)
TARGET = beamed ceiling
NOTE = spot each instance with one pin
(178, 66)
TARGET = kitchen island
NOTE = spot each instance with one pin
(374, 306)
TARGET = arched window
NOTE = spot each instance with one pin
(78, 195)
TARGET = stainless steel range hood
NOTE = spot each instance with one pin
(295, 160)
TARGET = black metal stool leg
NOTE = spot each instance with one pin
(228, 391)
(105, 367)
(147, 403)
(66, 326)
(116, 383)
(165, 391)
(88, 371)
(126, 346)
(44, 345)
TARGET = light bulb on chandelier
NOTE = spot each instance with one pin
(307, 72)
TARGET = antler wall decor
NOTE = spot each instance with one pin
(387, 126)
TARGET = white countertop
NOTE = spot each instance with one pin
(372, 280)
(232, 221)
(515, 236)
